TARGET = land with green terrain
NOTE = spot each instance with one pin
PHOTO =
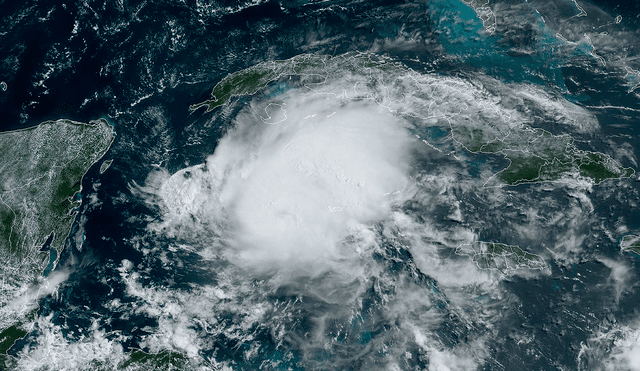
(474, 121)
(138, 360)
(503, 258)
(41, 171)
(10, 335)
(536, 155)
(630, 243)
(249, 81)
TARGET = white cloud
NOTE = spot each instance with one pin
(626, 354)
(462, 358)
(291, 192)
(28, 300)
(443, 360)
(614, 349)
(52, 351)
(619, 276)
(301, 193)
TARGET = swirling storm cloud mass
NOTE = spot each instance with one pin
(306, 193)
(293, 184)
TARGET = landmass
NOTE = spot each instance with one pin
(630, 243)
(504, 258)
(580, 9)
(535, 155)
(484, 12)
(105, 165)
(167, 360)
(251, 80)
(10, 335)
(41, 171)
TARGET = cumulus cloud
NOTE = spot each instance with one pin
(467, 357)
(626, 354)
(442, 360)
(620, 275)
(52, 351)
(616, 349)
(558, 109)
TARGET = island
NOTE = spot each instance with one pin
(468, 113)
(535, 155)
(506, 259)
(105, 165)
(630, 243)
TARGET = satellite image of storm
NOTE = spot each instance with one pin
(439, 185)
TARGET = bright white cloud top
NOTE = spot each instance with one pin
(295, 191)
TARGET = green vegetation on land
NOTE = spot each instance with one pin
(105, 165)
(524, 167)
(9, 336)
(501, 257)
(249, 81)
(245, 82)
(535, 154)
(484, 12)
(161, 361)
(472, 137)
(631, 243)
(41, 171)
